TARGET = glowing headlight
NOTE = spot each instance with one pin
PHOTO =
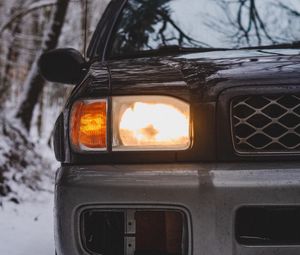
(150, 123)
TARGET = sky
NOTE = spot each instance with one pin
(207, 22)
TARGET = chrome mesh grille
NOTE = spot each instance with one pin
(266, 124)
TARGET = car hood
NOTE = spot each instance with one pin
(203, 74)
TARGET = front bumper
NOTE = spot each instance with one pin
(209, 193)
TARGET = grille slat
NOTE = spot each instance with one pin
(266, 124)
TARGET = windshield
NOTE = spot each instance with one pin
(147, 25)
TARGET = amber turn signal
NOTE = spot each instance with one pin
(88, 125)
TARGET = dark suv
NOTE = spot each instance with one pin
(182, 134)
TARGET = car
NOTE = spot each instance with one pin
(182, 133)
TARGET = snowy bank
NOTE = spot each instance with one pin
(27, 228)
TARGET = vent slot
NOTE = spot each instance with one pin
(268, 225)
(134, 232)
(102, 232)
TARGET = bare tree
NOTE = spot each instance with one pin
(34, 83)
(23, 12)
(27, 29)
(11, 55)
(257, 23)
(135, 32)
(11, 58)
(248, 8)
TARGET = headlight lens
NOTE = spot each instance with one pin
(139, 123)
(150, 123)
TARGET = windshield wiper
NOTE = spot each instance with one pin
(293, 45)
(168, 50)
(179, 49)
(175, 49)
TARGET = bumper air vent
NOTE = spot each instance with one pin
(270, 225)
(134, 232)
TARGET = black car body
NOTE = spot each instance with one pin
(234, 190)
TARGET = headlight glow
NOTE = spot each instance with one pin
(150, 123)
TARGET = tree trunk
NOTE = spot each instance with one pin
(34, 83)
(12, 56)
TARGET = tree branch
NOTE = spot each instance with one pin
(292, 11)
(182, 35)
(31, 8)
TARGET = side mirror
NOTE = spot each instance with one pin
(62, 66)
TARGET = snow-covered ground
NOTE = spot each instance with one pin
(26, 213)
(27, 228)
